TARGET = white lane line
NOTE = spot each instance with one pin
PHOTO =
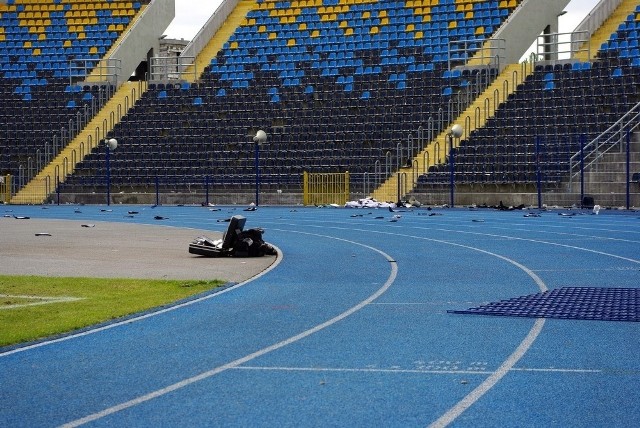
(508, 364)
(540, 241)
(147, 315)
(494, 378)
(39, 300)
(233, 364)
(411, 371)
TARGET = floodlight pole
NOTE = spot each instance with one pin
(108, 168)
(257, 165)
(452, 169)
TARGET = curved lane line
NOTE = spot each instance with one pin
(148, 314)
(259, 353)
(453, 413)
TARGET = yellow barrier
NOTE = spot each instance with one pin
(5, 188)
(326, 188)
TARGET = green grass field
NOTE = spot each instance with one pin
(34, 307)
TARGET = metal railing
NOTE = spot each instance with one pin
(612, 138)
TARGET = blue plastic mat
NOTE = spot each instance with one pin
(577, 303)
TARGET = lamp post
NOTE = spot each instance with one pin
(455, 132)
(259, 139)
(109, 145)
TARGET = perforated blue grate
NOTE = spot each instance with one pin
(578, 303)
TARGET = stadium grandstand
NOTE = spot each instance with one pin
(368, 87)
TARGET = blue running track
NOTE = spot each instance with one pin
(351, 328)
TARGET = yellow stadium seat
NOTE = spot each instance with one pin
(374, 30)
(382, 14)
(66, 44)
(468, 15)
(315, 33)
(418, 35)
(453, 24)
(26, 44)
(262, 29)
(348, 32)
(479, 30)
(36, 52)
(233, 45)
(291, 42)
(302, 26)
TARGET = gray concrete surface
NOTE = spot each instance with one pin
(114, 250)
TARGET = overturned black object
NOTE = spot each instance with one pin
(235, 242)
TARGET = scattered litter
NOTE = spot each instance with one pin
(159, 217)
(477, 220)
(224, 220)
(77, 211)
(21, 217)
(88, 225)
(214, 209)
(43, 234)
(356, 215)
(368, 203)
(596, 209)
(532, 215)
(105, 211)
(133, 212)
(378, 217)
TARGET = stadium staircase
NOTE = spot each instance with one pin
(474, 117)
(44, 183)
(233, 21)
(610, 25)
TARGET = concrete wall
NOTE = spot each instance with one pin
(143, 37)
(209, 29)
(525, 24)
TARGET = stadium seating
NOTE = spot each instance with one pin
(337, 85)
(46, 46)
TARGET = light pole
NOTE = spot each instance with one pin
(109, 145)
(455, 132)
(259, 139)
